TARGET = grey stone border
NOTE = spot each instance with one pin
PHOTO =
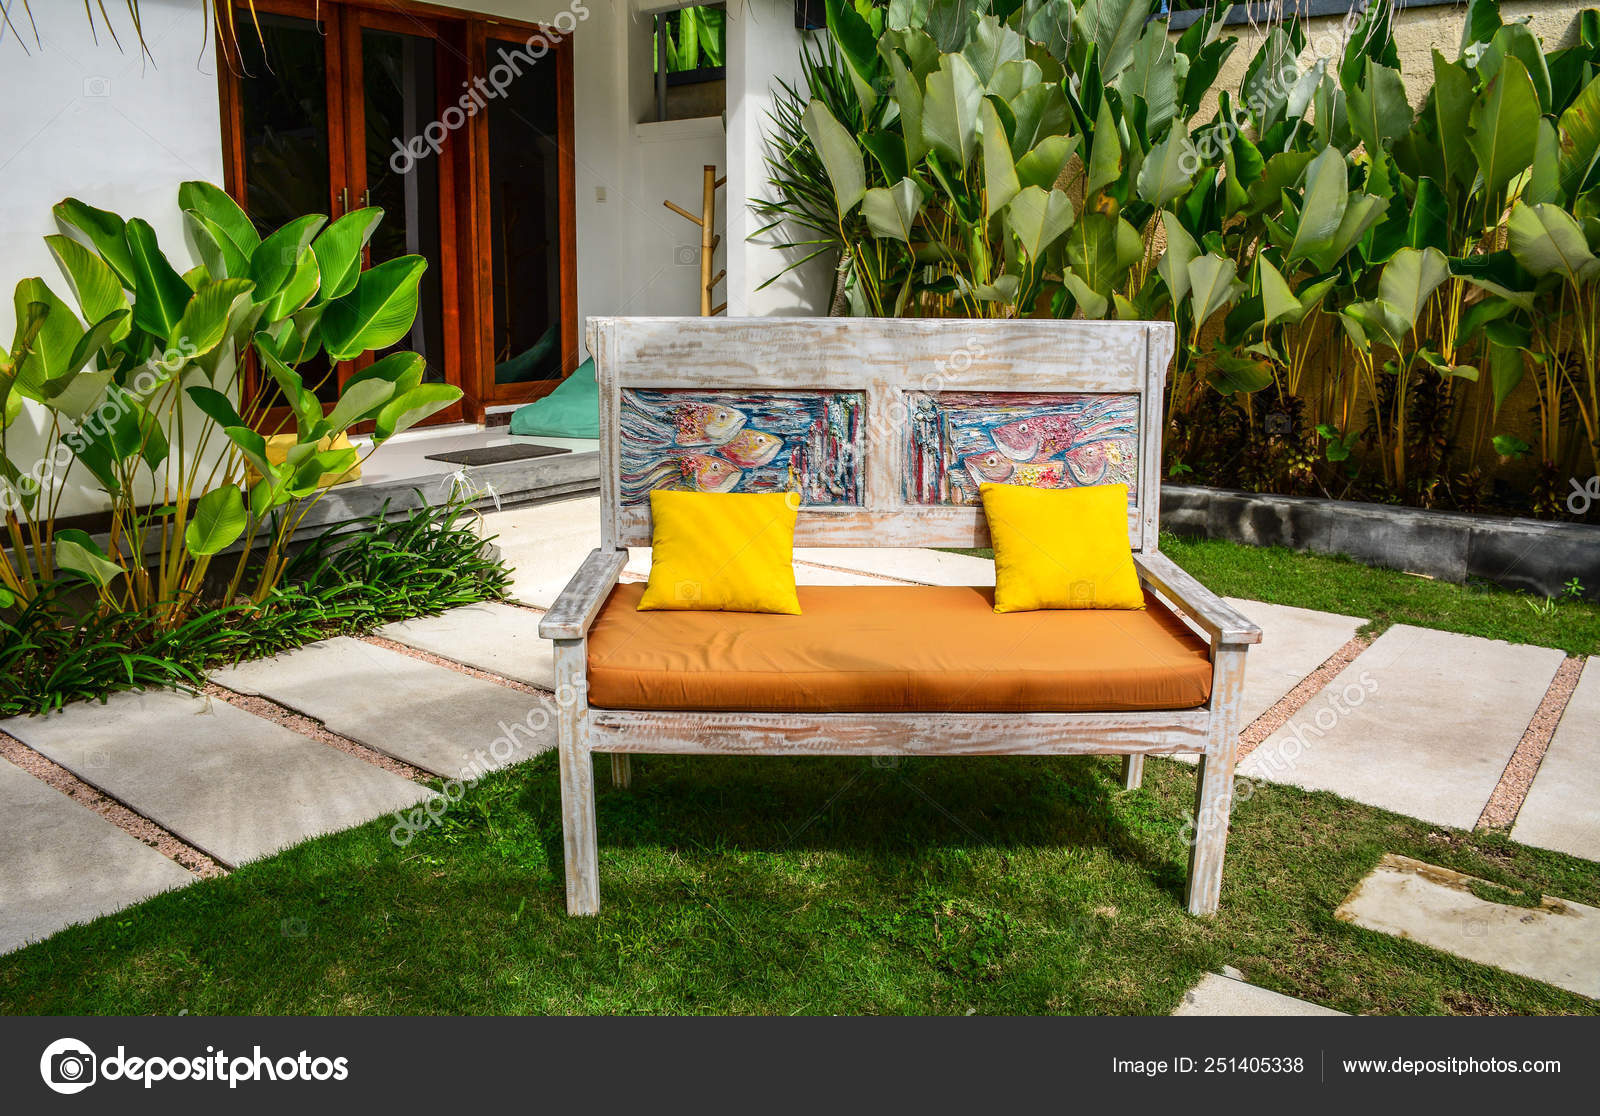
(1265, 11)
(1525, 554)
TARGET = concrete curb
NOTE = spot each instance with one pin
(1515, 553)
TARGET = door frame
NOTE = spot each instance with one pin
(467, 254)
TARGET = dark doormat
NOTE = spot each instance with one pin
(495, 455)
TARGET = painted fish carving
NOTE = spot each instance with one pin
(1037, 436)
(996, 468)
(751, 448)
(705, 424)
(694, 472)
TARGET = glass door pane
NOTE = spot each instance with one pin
(400, 83)
(525, 223)
(283, 114)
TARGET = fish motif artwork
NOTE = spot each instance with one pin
(959, 440)
(728, 441)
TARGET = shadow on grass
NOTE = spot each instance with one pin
(914, 810)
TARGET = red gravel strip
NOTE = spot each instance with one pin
(135, 825)
(1512, 789)
(1295, 700)
(269, 710)
(451, 664)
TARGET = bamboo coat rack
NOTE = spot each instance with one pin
(708, 240)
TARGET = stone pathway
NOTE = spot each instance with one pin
(434, 718)
(499, 638)
(229, 783)
(1562, 810)
(1421, 723)
(66, 864)
(1557, 942)
(1295, 642)
(1227, 994)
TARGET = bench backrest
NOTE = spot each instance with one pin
(886, 426)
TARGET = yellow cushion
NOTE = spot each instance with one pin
(1061, 547)
(722, 552)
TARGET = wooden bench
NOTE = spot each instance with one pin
(885, 426)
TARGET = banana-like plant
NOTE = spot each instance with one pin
(162, 387)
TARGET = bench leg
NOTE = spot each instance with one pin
(621, 770)
(577, 784)
(1213, 796)
(1213, 801)
(1132, 772)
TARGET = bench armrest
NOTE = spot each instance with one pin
(1221, 621)
(575, 609)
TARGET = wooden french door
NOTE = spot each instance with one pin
(338, 106)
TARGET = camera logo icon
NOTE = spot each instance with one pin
(68, 1066)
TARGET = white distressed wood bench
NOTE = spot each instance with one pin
(885, 426)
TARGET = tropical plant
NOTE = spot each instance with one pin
(163, 393)
(1361, 288)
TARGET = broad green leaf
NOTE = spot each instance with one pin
(1278, 302)
(204, 324)
(950, 109)
(217, 251)
(215, 406)
(1168, 170)
(1326, 196)
(223, 212)
(840, 154)
(1174, 263)
(378, 313)
(159, 292)
(1544, 182)
(991, 46)
(1038, 218)
(1232, 373)
(357, 402)
(1409, 280)
(338, 250)
(303, 402)
(405, 411)
(999, 174)
(279, 256)
(1105, 151)
(403, 370)
(77, 553)
(908, 95)
(1505, 372)
(1361, 212)
(49, 355)
(891, 211)
(1504, 126)
(1546, 240)
(299, 290)
(858, 46)
(253, 448)
(1453, 95)
(1091, 303)
(96, 287)
(219, 519)
(1378, 109)
(105, 230)
(1580, 139)
(1213, 284)
(1150, 77)
(1043, 165)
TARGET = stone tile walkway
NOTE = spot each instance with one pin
(1421, 723)
(233, 785)
(1557, 942)
(440, 720)
(499, 638)
(1562, 810)
(62, 863)
(1229, 995)
(1295, 642)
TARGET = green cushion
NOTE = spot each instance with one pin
(570, 411)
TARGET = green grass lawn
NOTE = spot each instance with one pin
(801, 886)
(1384, 597)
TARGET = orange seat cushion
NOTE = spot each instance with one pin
(892, 649)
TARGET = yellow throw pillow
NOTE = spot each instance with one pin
(722, 552)
(1061, 547)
